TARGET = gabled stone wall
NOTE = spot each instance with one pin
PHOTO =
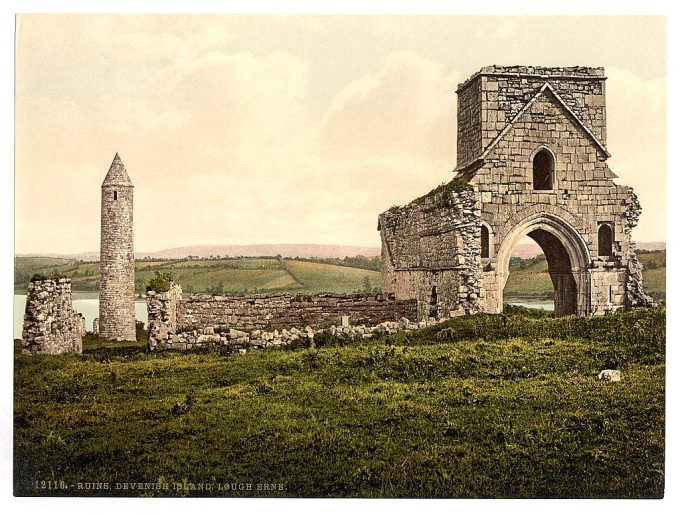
(507, 116)
(51, 326)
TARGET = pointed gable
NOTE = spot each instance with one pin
(547, 89)
(117, 174)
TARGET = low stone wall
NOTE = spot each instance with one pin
(51, 326)
(285, 311)
(258, 339)
(218, 319)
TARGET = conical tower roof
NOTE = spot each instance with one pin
(117, 175)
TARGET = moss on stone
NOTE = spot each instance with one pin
(454, 186)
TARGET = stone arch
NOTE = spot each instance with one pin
(534, 210)
(543, 165)
(567, 255)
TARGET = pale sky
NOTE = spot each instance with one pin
(290, 129)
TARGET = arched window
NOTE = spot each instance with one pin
(605, 240)
(485, 242)
(434, 309)
(544, 168)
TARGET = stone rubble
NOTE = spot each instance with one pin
(258, 339)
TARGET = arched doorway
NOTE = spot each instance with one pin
(567, 257)
(529, 283)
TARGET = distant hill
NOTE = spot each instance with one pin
(650, 245)
(528, 278)
(304, 250)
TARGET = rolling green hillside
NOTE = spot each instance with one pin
(528, 277)
(229, 275)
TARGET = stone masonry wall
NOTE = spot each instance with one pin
(173, 320)
(500, 92)
(286, 310)
(162, 312)
(469, 123)
(431, 252)
(51, 326)
(508, 115)
(583, 192)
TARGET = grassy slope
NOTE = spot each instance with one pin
(533, 281)
(330, 278)
(654, 279)
(237, 275)
(517, 417)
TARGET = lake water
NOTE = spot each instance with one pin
(532, 303)
(85, 303)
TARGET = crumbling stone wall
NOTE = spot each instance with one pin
(288, 310)
(51, 326)
(162, 313)
(431, 252)
(507, 118)
(221, 319)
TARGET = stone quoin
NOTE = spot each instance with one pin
(117, 260)
(532, 161)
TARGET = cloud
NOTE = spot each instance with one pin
(139, 116)
(222, 147)
(636, 133)
(232, 146)
(497, 30)
(406, 108)
(151, 38)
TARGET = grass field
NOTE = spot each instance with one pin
(442, 412)
(231, 275)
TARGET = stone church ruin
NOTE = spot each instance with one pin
(532, 161)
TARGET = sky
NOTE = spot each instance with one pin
(245, 129)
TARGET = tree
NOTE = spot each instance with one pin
(160, 281)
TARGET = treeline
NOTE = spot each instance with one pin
(363, 262)
(518, 263)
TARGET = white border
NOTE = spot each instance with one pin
(131, 506)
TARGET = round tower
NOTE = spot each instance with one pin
(116, 257)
